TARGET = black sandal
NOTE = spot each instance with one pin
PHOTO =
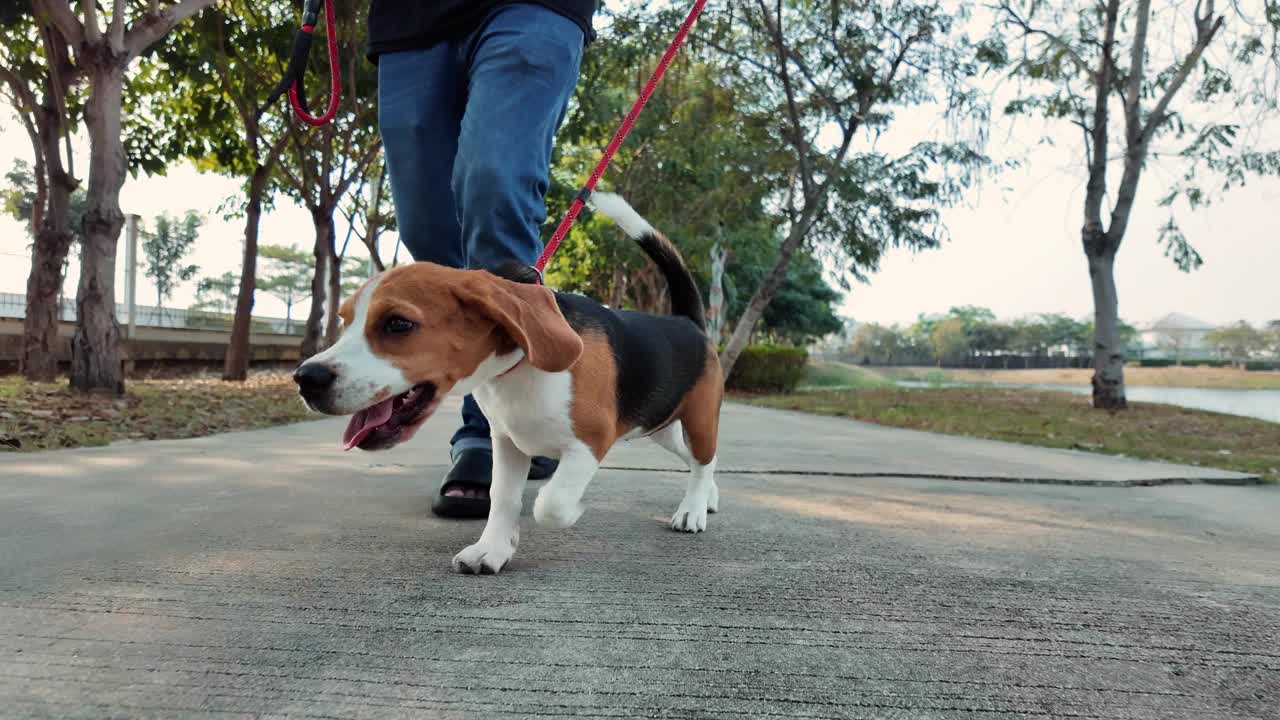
(474, 469)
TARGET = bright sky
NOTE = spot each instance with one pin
(1014, 246)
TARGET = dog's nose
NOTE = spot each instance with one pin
(313, 377)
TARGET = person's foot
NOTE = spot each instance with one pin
(464, 493)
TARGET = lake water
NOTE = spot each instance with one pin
(1262, 404)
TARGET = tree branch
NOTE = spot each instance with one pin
(297, 184)
(366, 156)
(778, 42)
(115, 30)
(1024, 24)
(303, 182)
(737, 56)
(21, 92)
(60, 16)
(249, 115)
(1206, 29)
(61, 73)
(1096, 188)
(1137, 71)
(155, 25)
(1139, 134)
(92, 31)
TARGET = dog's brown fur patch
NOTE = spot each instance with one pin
(700, 410)
(594, 408)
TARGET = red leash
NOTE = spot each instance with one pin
(293, 74)
(554, 243)
(335, 74)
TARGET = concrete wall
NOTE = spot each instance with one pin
(160, 347)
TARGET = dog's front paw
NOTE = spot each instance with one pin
(552, 509)
(690, 517)
(483, 558)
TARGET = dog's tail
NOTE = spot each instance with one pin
(686, 301)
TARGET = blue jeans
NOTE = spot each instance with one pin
(467, 128)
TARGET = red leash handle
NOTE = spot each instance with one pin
(335, 74)
(618, 137)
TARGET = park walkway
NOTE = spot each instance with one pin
(270, 575)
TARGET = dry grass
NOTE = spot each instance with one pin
(1191, 377)
(44, 416)
(1060, 420)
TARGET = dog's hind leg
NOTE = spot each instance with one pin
(694, 438)
(501, 533)
(559, 504)
(701, 496)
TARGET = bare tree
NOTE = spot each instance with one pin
(1098, 69)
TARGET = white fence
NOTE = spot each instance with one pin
(14, 305)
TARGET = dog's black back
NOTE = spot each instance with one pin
(659, 357)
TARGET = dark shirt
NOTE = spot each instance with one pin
(416, 24)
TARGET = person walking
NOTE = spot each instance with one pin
(470, 96)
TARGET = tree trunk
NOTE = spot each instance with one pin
(95, 350)
(373, 222)
(313, 337)
(334, 295)
(40, 326)
(53, 238)
(760, 300)
(50, 231)
(1108, 356)
(236, 367)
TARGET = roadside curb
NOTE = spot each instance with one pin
(1127, 483)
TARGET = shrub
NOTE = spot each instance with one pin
(1169, 362)
(768, 368)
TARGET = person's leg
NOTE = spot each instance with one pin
(522, 69)
(421, 98)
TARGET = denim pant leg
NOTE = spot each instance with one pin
(522, 68)
(421, 97)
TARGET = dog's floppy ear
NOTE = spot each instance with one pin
(529, 314)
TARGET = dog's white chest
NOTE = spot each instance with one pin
(532, 408)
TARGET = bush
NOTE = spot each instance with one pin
(768, 368)
(1168, 362)
(1261, 365)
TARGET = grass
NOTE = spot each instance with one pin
(1190, 377)
(842, 375)
(1058, 420)
(46, 416)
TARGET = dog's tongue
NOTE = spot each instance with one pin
(365, 422)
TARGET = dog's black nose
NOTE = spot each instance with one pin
(313, 377)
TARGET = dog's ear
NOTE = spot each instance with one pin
(529, 314)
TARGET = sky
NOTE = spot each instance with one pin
(1013, 243)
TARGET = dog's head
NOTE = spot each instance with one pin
(416, 333)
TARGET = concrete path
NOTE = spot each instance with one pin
(270, 575)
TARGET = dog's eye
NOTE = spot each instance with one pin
(396, 325)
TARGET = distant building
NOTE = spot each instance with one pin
(1177, 337)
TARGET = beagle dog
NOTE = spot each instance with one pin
(556, 374)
